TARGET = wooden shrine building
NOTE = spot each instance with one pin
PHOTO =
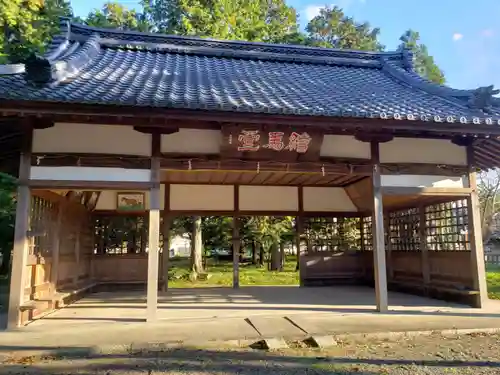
(378, 161)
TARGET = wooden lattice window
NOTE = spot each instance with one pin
(331, 234)
(446, 226)
(42, 216)
(367, 235)
(404, 230)
(120, 234)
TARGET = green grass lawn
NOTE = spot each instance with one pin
(493, 277)
(221, 274)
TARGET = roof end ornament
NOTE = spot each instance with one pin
(38, 69)
(482, 98)
(407, 59)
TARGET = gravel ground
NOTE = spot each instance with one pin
(467, 354)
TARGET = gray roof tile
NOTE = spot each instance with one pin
(98, 66)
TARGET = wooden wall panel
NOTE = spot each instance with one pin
(120, 268)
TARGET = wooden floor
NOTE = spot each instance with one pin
(213, 303)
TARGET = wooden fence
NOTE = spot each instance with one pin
(492, 259)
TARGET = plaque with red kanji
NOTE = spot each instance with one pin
(254, 143)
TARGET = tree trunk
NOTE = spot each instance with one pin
(261, 253)
(275, 258)
(196, 249)
(282, 255)
(254, 252)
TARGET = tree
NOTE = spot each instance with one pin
(269, 232)
(423, 63)
(489, 200)
(251, 20)
(117, 16)
(331, 28)
(28, 25)
(196, 249)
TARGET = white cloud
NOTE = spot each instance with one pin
(312, 11)
(457, 37)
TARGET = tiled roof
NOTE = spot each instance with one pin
(100, 66)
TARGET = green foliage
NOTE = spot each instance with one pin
(7, 218)
(333, 29)
(251, 20)
(117, 16)
(423, 62)
(269, 230)
(28, 25)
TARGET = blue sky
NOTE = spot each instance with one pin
(462, 35)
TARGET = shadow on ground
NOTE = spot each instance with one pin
(205, 361)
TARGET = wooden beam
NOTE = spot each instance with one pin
(380, 269)
(236, 238)
(77, 185)
(20, 251)
(147, 117)
(154, 232)
(475, 234)
(415, 190)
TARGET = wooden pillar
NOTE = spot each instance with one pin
(388, 246)
(236, 239)
(167, 222)
(299, 230)
(422, 233)
(380, 270)
(475, 234)
(154, 231)
(77, 252)
(20, 248)
(56, 245)
(299, 227)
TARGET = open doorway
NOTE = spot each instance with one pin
(201, 252)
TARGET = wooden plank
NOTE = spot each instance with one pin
(20, 250)
(154, 232)
(475, 234)
(378, 233)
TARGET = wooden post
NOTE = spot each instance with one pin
(154, 232)
(236, 239)
(77, 253)
(388, 245)
(20, 250)
(422, 233)
(475, 234)
(56, 245)
(378, 233)
(167, 223)
(299, 229)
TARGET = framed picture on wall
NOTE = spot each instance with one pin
(130, 201)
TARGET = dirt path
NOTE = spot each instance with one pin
(467, 354)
